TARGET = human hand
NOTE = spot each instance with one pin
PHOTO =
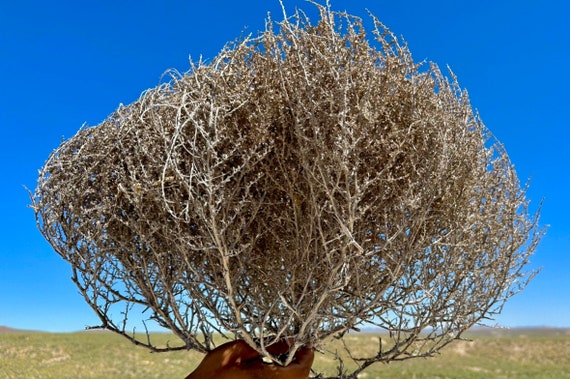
(237, 360)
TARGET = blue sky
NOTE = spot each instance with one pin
(65, 63)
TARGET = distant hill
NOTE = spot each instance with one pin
(5, 329)
(474, 332)
(485, 331)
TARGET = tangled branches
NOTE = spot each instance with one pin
(305, 182)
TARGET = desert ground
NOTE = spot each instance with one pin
(490, 353)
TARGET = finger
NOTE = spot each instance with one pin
(304, 357)
(242, 352)
(282, 346)
(300, 368)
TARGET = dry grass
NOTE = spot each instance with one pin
(540, 353)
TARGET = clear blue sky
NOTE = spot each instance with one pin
(64, 63)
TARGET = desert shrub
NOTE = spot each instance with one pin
(309, 181)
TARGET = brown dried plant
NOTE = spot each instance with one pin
(305, 182)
